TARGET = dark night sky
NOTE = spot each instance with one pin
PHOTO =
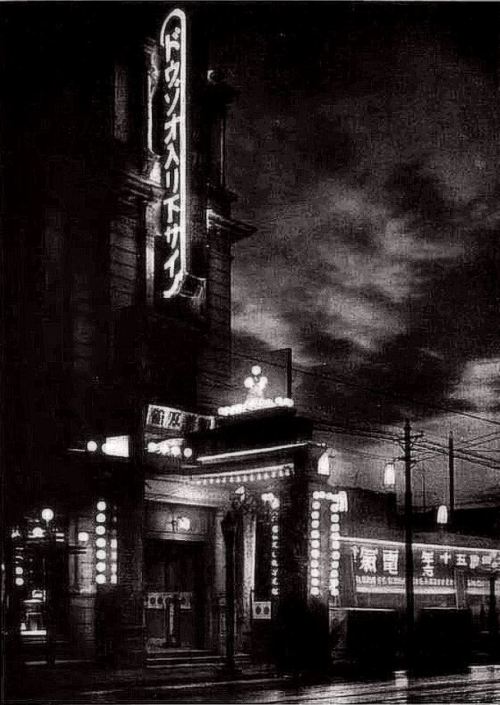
(365, 146)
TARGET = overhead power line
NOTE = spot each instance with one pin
(375, 433)
(463, 455)
(482, 437)
(370, 431)
(342, 380)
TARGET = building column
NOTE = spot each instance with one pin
(293, 546)
(129, 590)
(290, 614)
(301, 622)
(245, 616)
(82, 587)
(217, 636)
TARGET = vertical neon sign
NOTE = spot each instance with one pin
(173, 260)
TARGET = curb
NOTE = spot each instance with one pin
(189, 686)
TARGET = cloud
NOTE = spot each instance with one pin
(373, 185)
(479, 385)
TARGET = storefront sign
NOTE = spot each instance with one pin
(176, 420)
(261, 610)
(479, 586)
(380, 567)
(172, 259)
(163, 600)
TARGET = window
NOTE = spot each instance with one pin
(121, 104)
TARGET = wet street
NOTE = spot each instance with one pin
(481, 684)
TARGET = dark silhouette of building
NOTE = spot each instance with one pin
(117, 297)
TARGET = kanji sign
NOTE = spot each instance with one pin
(380, 567)
(368, 559)
(427, 561)
(390, 561)
(176, 420)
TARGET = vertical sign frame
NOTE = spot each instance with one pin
(173, 40)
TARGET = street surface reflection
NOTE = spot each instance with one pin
(481, 684)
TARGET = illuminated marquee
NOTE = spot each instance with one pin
(172, 261)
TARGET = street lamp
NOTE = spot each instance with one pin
(390, 476)
(47, 516)
(442, 515)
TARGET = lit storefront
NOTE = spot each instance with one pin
(445, 575)
(40, 565)
(298, 536)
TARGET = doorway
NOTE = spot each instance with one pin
(175, 600)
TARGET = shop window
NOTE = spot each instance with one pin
(41, 578)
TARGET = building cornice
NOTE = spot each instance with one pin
(179, 490)
(234, 228)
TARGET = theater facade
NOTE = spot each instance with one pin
(150, 509)
(296, 538)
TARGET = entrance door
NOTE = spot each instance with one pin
(175, 597)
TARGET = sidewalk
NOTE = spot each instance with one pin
(73, 680)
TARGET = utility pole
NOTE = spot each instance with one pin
(408, 516)
(451, 468)
(288, 353)
(407, 443)
(492, 617)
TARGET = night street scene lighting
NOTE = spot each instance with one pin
(250, 362)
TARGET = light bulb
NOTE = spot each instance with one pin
(47, 514)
